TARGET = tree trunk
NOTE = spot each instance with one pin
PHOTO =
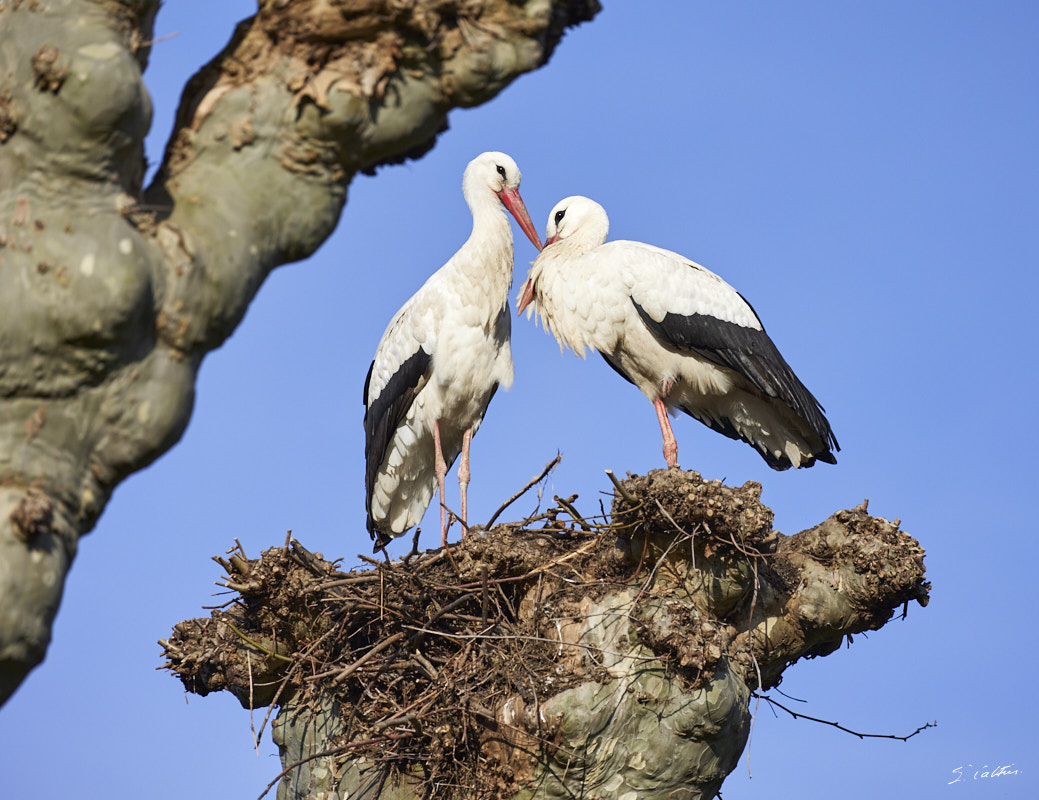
(547, 659)
(111, 294)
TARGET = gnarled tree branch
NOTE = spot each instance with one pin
(111, 295)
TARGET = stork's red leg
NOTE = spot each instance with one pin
(463, 476)
(670, 444)
(440, 466)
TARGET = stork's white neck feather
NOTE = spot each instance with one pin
(579, 226)
(485, 260)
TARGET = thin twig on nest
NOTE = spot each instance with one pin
(551, 465)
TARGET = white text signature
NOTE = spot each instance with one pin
(969, 773)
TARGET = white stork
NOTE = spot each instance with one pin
(677, 331)
(441, 359)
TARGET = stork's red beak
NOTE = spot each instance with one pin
(512, 201)
(525, 297)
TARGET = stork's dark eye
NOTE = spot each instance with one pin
(559, 216)
(501, 170)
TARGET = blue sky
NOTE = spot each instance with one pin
(864, 173)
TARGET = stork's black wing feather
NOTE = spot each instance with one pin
(616, 367)
(748, 351)
(385, 414)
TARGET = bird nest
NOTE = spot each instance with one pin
(419, 654)
(411, 666)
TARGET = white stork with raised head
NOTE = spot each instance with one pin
(441, 359)
(677, 331)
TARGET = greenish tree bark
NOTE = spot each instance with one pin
(111, 293)
(557, 658)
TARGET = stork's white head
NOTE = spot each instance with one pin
(582, 222)
(574, 215)
(498, 173)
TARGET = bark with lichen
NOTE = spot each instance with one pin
(565, 656)
(112, 293)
